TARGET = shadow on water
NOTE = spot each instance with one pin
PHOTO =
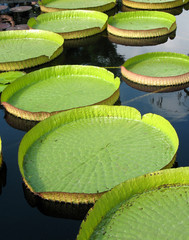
(55, 208)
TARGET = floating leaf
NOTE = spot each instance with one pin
(25, 48)
(157, 69)
(154, 4)
(141, 24)
(59, 5)
(77, 155)
(71, 24)
(44, 92)
(8, 77)
(146, 207)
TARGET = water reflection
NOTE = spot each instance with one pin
(102, 53)
(3, 176)
(141, 41)
(155, 89)
(55, 208)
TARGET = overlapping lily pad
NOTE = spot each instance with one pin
(141, 24)
(60, 5)
(157, 69)
(8, 77)
(77, 155)
(44, 92)
(154, 4)
(25, 48)
(146, 207)
(71, 24)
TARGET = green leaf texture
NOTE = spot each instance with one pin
(92, 149)
(148, 207)
(80, 22)
(61, 88)
(141, 24)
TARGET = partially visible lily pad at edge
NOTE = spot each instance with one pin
(25, 48)
(145, 207)
(8, 77)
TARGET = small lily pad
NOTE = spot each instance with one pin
(44, 92)
(25, 48)
(147, 207)
(109, 144)
(71, 24)
(8, 77)
(60, 5)
(141, 24)
(154, 4)
(157, 69)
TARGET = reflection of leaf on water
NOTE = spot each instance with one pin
(101, 53)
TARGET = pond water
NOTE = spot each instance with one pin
(18, 217)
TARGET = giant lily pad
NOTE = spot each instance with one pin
(77, 155)
(154, 4)
(8, 77)
(59, 5)
(44, 92)
(157, 69)
(147, 207)
(71, 24)
(141, 24)
(25, 48)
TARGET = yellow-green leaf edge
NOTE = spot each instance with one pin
(156, 32)
(61, 15)
(126, 190)
(100, 111)
(157, 5)
(102, 8)
(32, 61)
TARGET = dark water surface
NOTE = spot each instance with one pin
(18, 219)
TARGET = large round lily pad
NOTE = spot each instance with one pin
(71, 24)
(44, 92)
(157, 69)
(77, 155)
(8, 77)
(141, 24)
(25, 48)
(147, 207)
(154, 4)
(60, 5)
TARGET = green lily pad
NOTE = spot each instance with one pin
(71, 24)
(141, 24)
(147, 207)
(8, 77)
(59, 5)
(44, 92)
(157, 69)
(77, 155)
(154, 4)
(25, 48)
